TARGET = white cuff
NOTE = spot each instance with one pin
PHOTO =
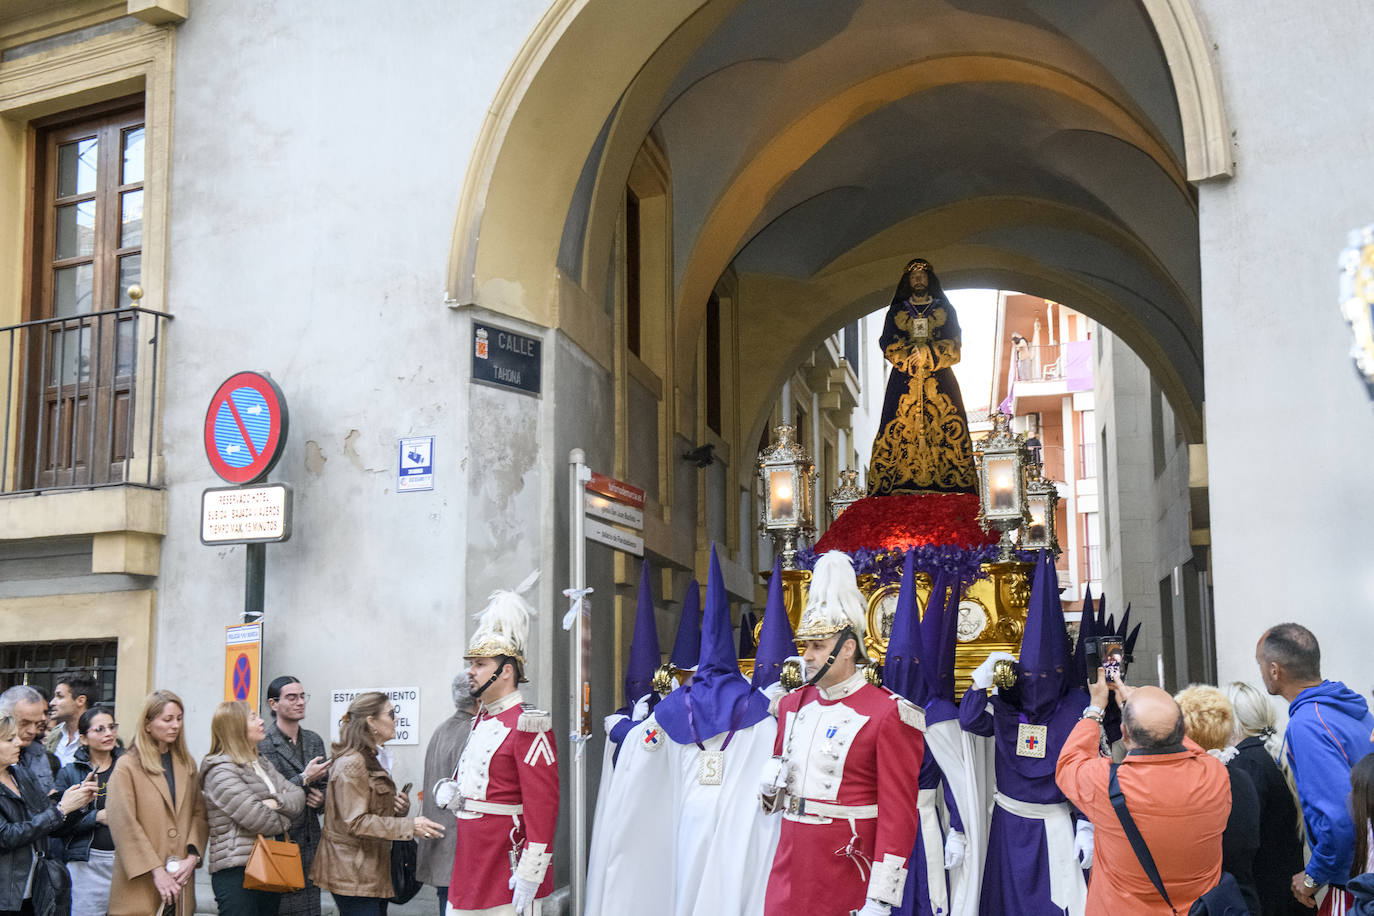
(887, 880)
(534, 862)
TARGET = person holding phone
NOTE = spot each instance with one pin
(363, 812)
(299, 755)
(87, 844)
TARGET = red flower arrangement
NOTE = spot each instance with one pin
(908, 520)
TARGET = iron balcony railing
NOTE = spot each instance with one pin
(1092, 562)
(1087, 460)
(80, 400)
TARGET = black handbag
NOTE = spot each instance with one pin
(1223, 900)
(405, 884)
(52, 886)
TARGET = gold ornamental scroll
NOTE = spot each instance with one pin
(992, 614)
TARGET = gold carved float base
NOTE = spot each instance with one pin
(992, 614)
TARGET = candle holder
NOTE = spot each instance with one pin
(1001, 461)
(846, 494)
(786, 512)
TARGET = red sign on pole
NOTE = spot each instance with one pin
(618, 490)
(245, 427)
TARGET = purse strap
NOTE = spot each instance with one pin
(1142, 851)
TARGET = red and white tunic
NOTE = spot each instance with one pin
(849, 813)
(508, 785)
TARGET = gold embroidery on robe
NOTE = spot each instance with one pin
(925, 446)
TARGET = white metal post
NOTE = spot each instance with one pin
(577, 707)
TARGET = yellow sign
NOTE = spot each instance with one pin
(242, 658)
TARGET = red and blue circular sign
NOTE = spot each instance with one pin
(245, 427)
(243, 677)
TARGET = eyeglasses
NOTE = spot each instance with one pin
(103, 729)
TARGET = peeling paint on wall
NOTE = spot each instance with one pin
(314, 458)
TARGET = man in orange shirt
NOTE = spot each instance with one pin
(1178, 795)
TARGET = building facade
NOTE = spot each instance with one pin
(679, 202)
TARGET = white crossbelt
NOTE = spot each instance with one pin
(479, 806)
(1067, 889)
(927, 807)
(806, 811)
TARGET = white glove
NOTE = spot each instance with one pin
(523, 898)
(773, 776)
(445, 793)
(1083, 844)
(874, 908)
(955, 848)
(641, 710)
(982, 675)
(775, 691)
(613, 720)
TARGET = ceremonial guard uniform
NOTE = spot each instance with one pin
(504, 793)
(849, 813)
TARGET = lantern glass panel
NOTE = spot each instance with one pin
(782, 495)
(1001, 471)
(1039, 506)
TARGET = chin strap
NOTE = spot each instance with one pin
(846, 633)
(491, 680)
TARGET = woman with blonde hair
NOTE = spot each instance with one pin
(245, 797)
(157, 815)
(1209, 721)
(1279, 856)
(363, 813)
(27, 818)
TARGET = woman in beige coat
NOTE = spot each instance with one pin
(245, 797)
(363, 813)
(157, 815)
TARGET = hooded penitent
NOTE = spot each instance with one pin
(1045, 666)
(718, 699)
(687, 645)
(1087, 628)
(776, 643)
(644, 659)
(904, 665)
(503, 626)
(939, 634)
(834, 603)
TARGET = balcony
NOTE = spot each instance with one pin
(79, 437)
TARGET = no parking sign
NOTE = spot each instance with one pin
(242, 657)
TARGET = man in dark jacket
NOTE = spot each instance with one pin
(30, 713)
(435, 862)
(1329, 729)
(298, 754)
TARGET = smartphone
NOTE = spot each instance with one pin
(1107, 653)
(405, 789)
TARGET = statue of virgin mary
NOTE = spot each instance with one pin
(923, 442)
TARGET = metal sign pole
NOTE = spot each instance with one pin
(254, 582)
(577, 708)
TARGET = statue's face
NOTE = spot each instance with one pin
(918, 277)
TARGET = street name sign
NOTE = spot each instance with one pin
(245, 515)
(618, 502)
(506, 359)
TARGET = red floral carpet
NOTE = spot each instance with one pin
(909, 520)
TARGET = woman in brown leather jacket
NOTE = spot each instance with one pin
(363, 813)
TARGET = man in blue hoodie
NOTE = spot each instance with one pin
(1329, 729)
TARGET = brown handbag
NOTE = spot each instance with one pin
(274, 865)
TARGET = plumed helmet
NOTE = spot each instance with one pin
(503, 626)
(834, 601)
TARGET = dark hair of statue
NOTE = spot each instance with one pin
(904, 291)
(1294, 647)
(1362, 808)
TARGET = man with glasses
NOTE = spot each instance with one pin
(29, 711)
(298, 754)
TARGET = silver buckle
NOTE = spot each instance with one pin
(462, 804)
(796, 806)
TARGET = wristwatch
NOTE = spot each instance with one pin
(1307, 882)
(173, 865)
(1093, 712)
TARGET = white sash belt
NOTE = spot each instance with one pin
(806, 811)
(479, 807)
(927, 802)
(1066, 878)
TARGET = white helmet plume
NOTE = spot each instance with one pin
(503, 626)
(834, 601)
